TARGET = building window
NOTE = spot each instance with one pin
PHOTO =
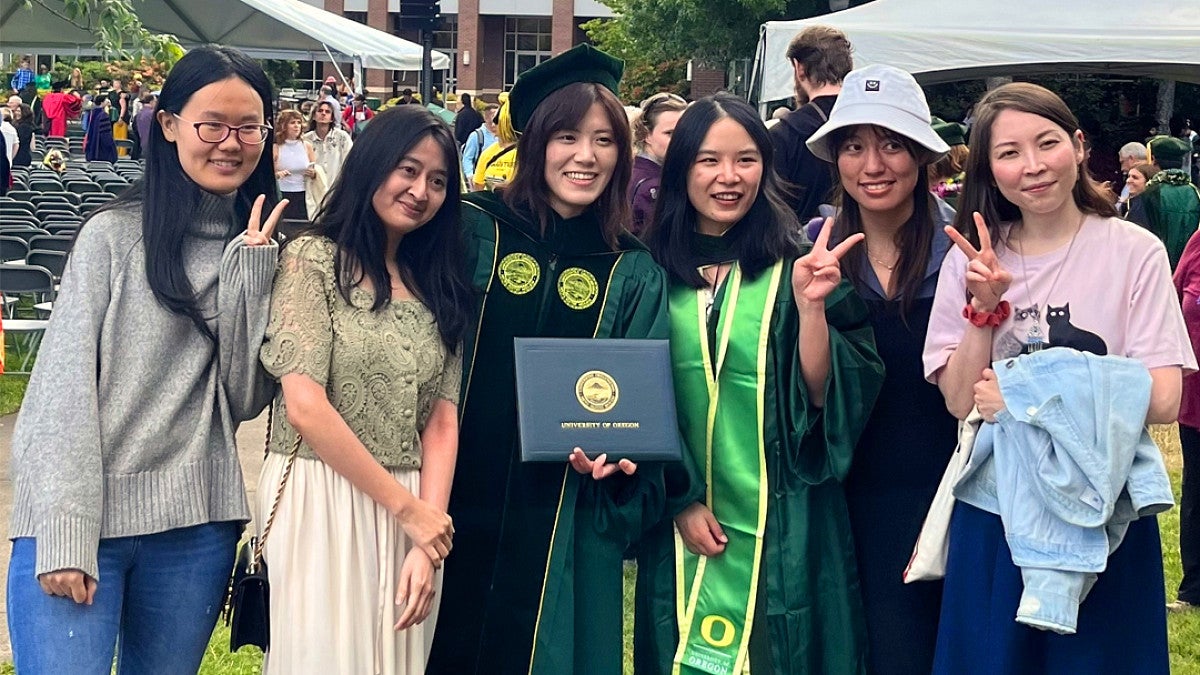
(308, 75)
(445, 40)
(360, 17)
(526, 44)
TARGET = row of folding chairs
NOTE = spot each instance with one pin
(28, 278)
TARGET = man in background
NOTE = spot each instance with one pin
(820, 58)
(23, 76)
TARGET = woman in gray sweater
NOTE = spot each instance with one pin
(128, 493)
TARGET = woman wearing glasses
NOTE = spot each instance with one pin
(651, 134)
(128, 493)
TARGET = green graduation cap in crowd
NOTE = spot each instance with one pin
(582, 63)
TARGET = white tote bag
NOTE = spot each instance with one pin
(928, 561)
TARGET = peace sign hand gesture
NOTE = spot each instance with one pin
(987, 280)
(254, 236)
(815, 275)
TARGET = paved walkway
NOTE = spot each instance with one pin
(250, 446)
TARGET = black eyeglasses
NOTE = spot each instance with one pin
(659, 98)
(217, 132)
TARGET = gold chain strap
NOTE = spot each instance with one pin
(261, 542)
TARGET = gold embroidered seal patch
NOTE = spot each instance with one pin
(519, 273)
(597, 391)
(578, 288)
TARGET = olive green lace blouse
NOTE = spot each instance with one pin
(382, 370)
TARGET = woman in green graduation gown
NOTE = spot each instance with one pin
(775, 376)
(534, 584)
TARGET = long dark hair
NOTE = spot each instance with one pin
(979, 191)
(334, 122)
(167, 197)
(431, 257)
(769, 230)
(913, 239)
(565, 109)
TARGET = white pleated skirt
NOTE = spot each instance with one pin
(334, 557)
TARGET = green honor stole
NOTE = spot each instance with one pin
(715, 597)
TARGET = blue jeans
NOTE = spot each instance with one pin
(159, 594)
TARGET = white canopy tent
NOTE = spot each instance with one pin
(939, 41)
(264, 29)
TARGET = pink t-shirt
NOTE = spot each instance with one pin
(1113, 295)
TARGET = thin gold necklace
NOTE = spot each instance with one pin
(882, 263)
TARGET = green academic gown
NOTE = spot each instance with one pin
(534, 583)
(809, 617)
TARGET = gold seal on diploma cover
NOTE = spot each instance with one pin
(578, 288)
(596, 391)
(519, 273)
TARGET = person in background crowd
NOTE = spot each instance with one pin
(98, 144)
(327, 94)
(6, 177)
(129, 499)
(367, 318)
(114, 97)
(1180, 128)
(1130, 155)
(885, 151)
(820, 58)
(498, 162)
(651, 134)
(1187, 285)
(29, 93)
(12, 142)
(23, 76)
(763, 540)
(534, 584)
(24, 125)
(76, 79)
(466, 121)
(57, 107)
(481, 138)
(356, 117)
(142, 122)
(1169, 205)
(946, 175)
(1041, 260)
(120, 121)
(13, 102)
(330, 143)
(406, 97)
(293, 159)
(43, 80)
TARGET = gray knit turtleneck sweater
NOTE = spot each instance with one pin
(128, 424)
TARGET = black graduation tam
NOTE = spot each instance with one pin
(582, 63)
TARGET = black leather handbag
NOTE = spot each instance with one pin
(248, 601)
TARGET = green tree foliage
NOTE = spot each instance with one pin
(657, 38)
(119, 33)
(282, 74)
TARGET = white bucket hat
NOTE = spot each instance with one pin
(884, 96)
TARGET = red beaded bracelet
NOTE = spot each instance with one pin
(993, 318)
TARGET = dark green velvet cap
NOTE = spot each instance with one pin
(952, 133)
(582, 63)
(1167, 147)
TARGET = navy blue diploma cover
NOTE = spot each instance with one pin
(610, 396)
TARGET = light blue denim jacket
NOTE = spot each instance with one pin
(1067, 465)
